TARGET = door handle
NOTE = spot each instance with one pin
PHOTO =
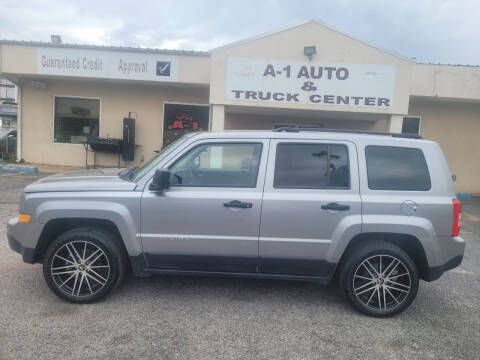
(238, 204)
(335, 206)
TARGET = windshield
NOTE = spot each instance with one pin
(149, 165)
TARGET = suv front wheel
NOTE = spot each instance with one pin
(83, 265)
(379, 279)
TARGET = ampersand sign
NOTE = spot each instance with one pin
(308, 86)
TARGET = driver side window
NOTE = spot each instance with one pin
(218, 165)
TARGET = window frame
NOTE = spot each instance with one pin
(255, 185)
(349, 187)
(75, 97)
(398, 190)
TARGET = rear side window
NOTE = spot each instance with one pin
(311, 166)
(397, 168)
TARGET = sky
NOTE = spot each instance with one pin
(436, 31)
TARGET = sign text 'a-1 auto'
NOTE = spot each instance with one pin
(341, 84)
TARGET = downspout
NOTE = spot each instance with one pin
(19, 123)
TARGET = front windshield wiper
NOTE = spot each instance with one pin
(126, 174)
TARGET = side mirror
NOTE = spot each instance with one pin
(161, 180)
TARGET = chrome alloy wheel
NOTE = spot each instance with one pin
(80, 268)
(382, 282)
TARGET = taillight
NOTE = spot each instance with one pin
(457, 213)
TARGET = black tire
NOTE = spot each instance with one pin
(382, 300)
(96, 278)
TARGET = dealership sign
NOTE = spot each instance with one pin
(332, 84)
(107, 64)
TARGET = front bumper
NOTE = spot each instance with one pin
(22, 238)
(28, 254)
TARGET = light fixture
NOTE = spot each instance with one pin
(309, 51)
(56, 39)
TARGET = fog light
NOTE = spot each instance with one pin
(24, 218)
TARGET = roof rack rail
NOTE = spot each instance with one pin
(364, 132)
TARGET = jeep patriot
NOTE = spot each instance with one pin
(377, 212)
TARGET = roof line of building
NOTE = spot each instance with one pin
(105, 47)
(208, 53)
(445, 64)
(319, 22)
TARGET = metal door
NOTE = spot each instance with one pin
(311, 202)
(197, 226)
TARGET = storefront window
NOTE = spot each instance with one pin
(411, 125)
(180, 119)
(7, 91)
(76, 119)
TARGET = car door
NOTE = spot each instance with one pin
(311, 203)
(209, 219)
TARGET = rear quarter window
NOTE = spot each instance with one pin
(397, 168)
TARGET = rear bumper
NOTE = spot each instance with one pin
(435, 272)
(451, 252)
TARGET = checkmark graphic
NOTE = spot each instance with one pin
(163, 68)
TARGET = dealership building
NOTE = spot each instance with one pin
(307, 75)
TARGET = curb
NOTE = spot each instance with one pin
(464, 195)
(15, 168)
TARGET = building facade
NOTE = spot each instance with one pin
(308, 75)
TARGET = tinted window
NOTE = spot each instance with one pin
(311, 166)
(411, 125)
(397, 168)
(218, 165)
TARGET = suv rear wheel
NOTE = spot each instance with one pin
(83, 265)
(379, 279)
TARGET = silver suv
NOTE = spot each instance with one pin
(375, 211)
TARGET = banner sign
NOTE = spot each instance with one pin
(107, 64)
(332, 84)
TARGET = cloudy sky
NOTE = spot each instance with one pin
(445, 31)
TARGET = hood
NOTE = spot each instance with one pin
(83, 180)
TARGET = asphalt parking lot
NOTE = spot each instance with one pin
(166, 317)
